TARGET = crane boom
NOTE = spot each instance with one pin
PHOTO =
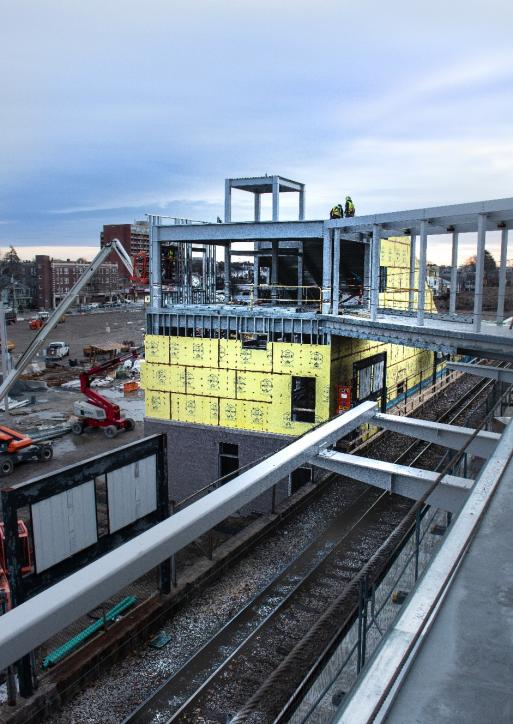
(20, 366)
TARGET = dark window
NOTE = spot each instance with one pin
(382, 278)
(300, 477)
(254, 341)
(303, 399)
(228, 460)
(401, 387)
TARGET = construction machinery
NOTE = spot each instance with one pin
(13, 375)
(97, 410)
(16, 447)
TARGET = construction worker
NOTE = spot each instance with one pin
(337, 212)
(349, 210)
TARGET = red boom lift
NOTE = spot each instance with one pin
(98, 411)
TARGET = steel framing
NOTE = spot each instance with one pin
(50, 611)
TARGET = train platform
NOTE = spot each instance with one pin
(449, 656)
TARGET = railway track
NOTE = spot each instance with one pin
(223, 675)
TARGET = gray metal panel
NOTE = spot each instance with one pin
(132, 492)
(64, 524)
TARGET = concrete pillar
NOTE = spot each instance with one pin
(454, 273)
(299, 273)
(227, 200)
(155, 263)
(422, 273)
(375, 264)
(335, 297)
(257, 200)
(502, 276)
(227, 273)
(276, 198)
(478, 289)
(302, 203)
(326, 271)
(411, 283)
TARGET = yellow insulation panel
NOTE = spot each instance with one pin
(261, 386)
(244, 415)
(232, 355)
(210, 381)
(156, 348)
(301, 360)
(195, 409)
(167, 378)
(194, 351)
(158, 404)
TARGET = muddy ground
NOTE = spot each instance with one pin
(54, 405)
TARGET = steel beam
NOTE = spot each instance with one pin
(479, 278)
(375, 267)
(35, 621)
(502, 276)
(451, 436)
(454, 273)
(493, 373)
(242, 231)
(421, 296)
(413, 260)
(326, 272)
(335, 297)
(450, 495)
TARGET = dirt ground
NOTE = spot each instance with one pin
(80, 330)
(54, 405)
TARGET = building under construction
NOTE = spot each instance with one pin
(234, 371)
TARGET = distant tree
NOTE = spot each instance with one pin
(11, 265)
(490, 264)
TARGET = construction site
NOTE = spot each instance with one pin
(260, 496)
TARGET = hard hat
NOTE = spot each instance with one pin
(348, 198)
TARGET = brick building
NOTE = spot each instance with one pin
(134, 238)
(65, 274)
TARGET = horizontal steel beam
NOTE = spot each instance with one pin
(451, 436)
(242, 231)
(49, 612)
(494, 373)
(450, 495)
(441, 219)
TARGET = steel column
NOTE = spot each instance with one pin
(302, 203)
(411, 292)
(326, 271)
(274, 269)
(155, 263)
(502, 276)
(276, 198)
(454, 273)
(227, 273)
(299, 273)
(335, 297)
(422, 273)
(257, 200)
(227, 201)
(480, 260)
(375, 267)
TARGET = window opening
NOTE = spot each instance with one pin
(303, 399)
(228, 460)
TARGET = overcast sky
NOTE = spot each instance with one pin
(111, 109)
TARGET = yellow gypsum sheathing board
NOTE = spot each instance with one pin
(209, 381)
(256, 415)
(194, 351)
(195, 409)
(228, 353)
(157, 404)
(306, 360)
(258, 360)
(143, 377)
(261, 386)
(231, 413)
(156, 348)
